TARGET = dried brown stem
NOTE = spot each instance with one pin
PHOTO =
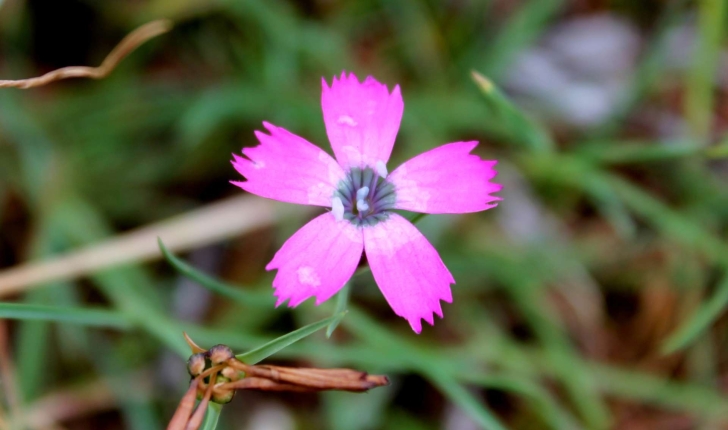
(313, 379)
(210, 371)
(216, 221)
(196, 421)
(259, 377)
(262, 384)
(132, 41)
(77, 401)
(321, 379)
(182, 415)
(3, 424)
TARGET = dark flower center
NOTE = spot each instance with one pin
(363, 197)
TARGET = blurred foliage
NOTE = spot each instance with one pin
(592, 297)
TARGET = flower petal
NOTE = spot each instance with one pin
(362, 120)
(447, 179)
(317, 260)
(407, 269)
(288, 168)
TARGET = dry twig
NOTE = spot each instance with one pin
(131, 42)
(77, 401)
(214, 222)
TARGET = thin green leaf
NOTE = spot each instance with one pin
(229, 291)
(270, 348)
(342, 300)
(212, 416)
(85, 316)
(699, 322)
(415, 219)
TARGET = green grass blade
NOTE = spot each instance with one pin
(689, 331)
(124, 287)
(514, 124)
(234, 293)
(562, 356)
(631, 152)
(352, 411)
(33, 347)
(695, 399)
(543, 401)
(650, 69)
(428, 363)
(415, 30)
(669, 222)
(521, 30)
(129, 288)
(465, 400)
(270, 348)
(92, 317)
(701, 78)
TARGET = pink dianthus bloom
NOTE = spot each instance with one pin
(362, 120)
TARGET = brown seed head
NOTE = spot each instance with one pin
(196, 364)
(230, 373)
(222, 397)
(220, 354)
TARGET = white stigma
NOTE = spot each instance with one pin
(361, 205)
(381, 169)
(337, 208)
(362, 192)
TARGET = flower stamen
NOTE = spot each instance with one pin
(362, 206)
(337, 208)
(364, 197)
(362, 192)
(381, 169)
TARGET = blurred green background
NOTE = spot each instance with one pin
(592, 297)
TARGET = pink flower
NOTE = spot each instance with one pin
(362, 120)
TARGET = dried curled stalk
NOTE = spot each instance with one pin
(131, 42)
(217, 374)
